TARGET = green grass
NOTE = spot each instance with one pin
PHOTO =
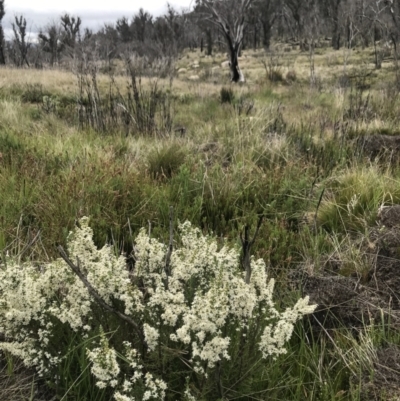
(296, 144)
(354, 197)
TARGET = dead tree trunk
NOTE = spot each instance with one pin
(335, 24)
(2, 41)
(233, 33)
(236, 72)
(209, 40)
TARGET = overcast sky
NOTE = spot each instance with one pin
(94, 13)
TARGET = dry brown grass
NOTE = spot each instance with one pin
(328, 64)
(16, 382)
(54, 80)
(300, 104)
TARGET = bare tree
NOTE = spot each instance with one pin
(300, 11)
(333, 11)
(19, 28)
(124, 30)
(393, 11)
(335, 4)
(2, 13)
(312, 27)
(252, 33)
(209, 41)
(363, 21)
(141, 24)
(87, 34)
(107, 43)
(205, 27)
(70, 31)
(377, 27)
(50, 40)
(229, 16)
(393, 7)
(295, 8)
(169, 32)
(267, 13)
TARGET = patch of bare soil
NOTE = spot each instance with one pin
(353, 301)
(383, 381)
(382, 146)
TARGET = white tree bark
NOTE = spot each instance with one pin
(233, 33)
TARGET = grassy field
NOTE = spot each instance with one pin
(285, 145)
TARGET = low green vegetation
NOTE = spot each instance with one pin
(222, 156)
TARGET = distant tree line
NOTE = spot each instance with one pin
(209, 26)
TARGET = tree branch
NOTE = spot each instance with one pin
(246, 247)
(92, 291)
(171, 242)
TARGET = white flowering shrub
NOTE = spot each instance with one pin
(198, 326)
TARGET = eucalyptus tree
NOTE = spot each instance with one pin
(50, 40)
(20, 39)
(230, 17)
(124, 30)
(331, 9)
(107, 40)
(141, 25)
(381, 28)
(267, 11)
(294, 8)
(169, 32)
(206, 29)
(303, 15)
(2, 14)
(70, 29)
(393, 8)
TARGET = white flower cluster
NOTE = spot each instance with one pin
(105, 366)
(275, 336)
(206, 293)
(106, 369)
(151, 336)
(201, 307)
(32, 298)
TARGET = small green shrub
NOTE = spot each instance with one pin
(226, 95)
(273, 67)
(10, 143)
(165, 162)
(33, 93)
(35, 114)
(139, 110)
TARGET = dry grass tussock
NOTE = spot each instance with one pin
(18, 383)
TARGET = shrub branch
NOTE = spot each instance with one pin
(171, 242)
(92, 291)
(246, 247)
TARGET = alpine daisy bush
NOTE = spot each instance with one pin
(192, 317)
